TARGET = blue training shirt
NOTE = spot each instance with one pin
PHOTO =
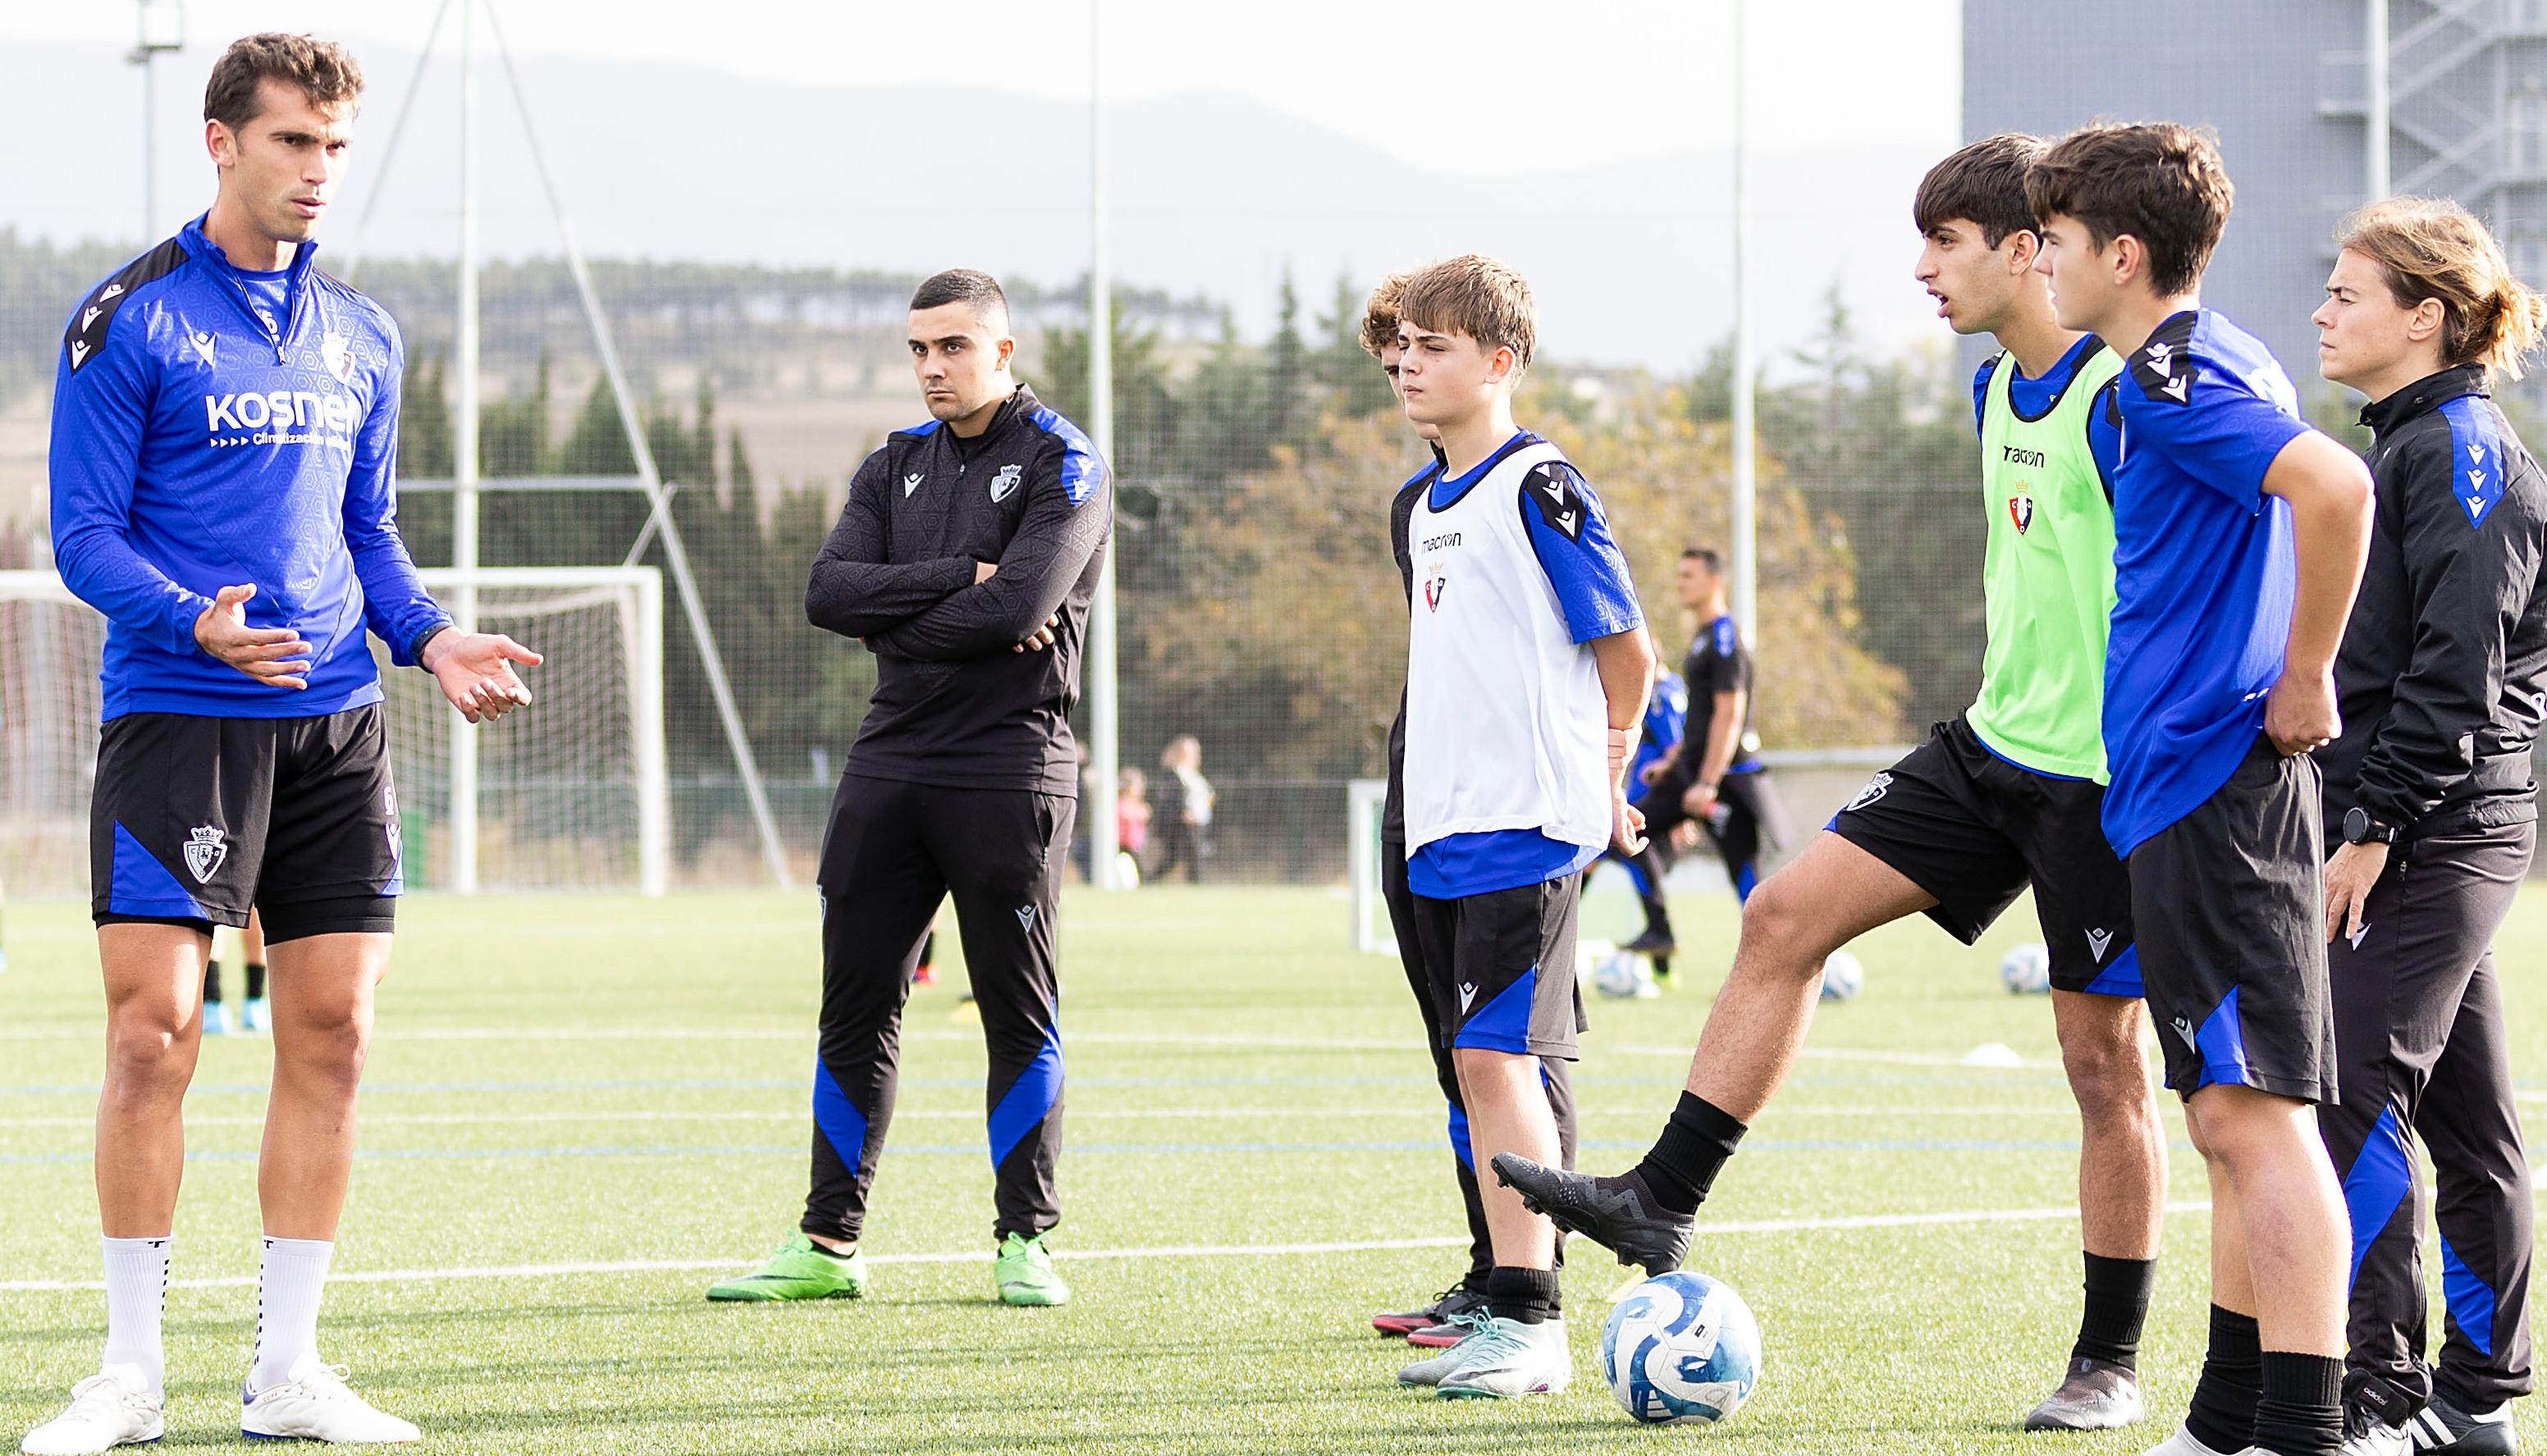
(198, 443)
(1589, 575)
(1666, 719)
(2204, 574)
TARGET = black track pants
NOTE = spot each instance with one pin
(1555, 1073)
(2423, 1054)
(892, 852)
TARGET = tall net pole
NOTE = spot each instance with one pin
(1745, 545)
(2374, 58)
(1104, 746)
(464, 462)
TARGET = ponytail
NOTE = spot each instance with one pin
(2433, 248)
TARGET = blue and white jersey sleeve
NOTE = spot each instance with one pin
(2213, 403)
(1981, 390)
(396, 606)
(1571, 537)
(102, 406)
(1667, 711)
(2105, 435)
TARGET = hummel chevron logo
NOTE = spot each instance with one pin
(911, 484)
(2097, 941)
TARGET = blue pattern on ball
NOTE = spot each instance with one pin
(1681, 1348)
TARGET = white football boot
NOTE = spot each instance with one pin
(2185, 1443)
(313, 1405)
(1510, 1358)
(113, 1408)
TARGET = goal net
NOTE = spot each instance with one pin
(570, 794)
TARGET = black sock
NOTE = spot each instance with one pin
(212, 981)
(2222, 1413)
(2118, 1297)
(1526, 1295)
(2302, 1409)
(256, 980)
(1694, 1144)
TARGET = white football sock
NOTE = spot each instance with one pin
(136, 1296)
(292, 1275)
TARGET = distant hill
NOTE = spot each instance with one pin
(1213, 195)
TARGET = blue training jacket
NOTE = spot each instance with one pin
(198, 445)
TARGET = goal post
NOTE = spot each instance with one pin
(572, 793)
(1366, 806)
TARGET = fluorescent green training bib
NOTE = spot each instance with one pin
(2047, 579)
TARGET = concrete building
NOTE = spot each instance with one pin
(2283, 82)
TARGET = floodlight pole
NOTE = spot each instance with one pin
(464, 462)
(1105, 741)
(2374, 57)
(163, 24)
(1745, 545)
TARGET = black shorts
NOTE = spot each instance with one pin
(1749, 820)
(1974, 831)
(2231, 903)
(195, 819)
(1501, 966)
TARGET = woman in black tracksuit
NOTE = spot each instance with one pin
(2429, 793)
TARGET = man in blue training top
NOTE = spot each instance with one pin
(2238, 540)
(225, 441)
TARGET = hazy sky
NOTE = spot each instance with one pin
(1576, 82)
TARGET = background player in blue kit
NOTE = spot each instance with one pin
(2238, 540)
(224, 439)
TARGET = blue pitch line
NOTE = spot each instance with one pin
(1773, 1145)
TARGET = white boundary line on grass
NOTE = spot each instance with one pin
(1186, 1251)
(974, 1114)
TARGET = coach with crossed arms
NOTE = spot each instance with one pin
(965, 559)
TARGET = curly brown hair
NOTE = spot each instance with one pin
(2159, 182)
(323, 70)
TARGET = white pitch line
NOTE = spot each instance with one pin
(1171, 1251)
(1075, 1114)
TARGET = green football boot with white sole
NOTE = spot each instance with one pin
(1024, 1273)
(800, 1269)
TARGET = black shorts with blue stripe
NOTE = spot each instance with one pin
(1501, 965)
(1974, 831)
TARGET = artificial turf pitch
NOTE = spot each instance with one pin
(579, 1111)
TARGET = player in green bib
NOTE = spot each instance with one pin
(2003, 798)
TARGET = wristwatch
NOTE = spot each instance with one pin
(2360, 829)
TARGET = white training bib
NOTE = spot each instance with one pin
(1506, 724)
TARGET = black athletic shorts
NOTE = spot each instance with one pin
(1750, 819)
(1502, 967)
(2231, 914)
(195, 819)
(1973, 830)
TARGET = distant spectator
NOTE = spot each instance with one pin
(1183, 837)
(1132, 813)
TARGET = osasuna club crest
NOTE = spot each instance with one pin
(1433, 591)
(337, 353)
(205, 848)
(1005, 482)
(2020, 509)
(1876, 788)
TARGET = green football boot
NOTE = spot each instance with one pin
(1024, 1273)
(800, 1269)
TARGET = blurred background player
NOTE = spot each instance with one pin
(2429, 791)
(1442, 1323)
(1712, 779)
(2005, 796)
(253, 1014)
(965, 559)
(1184, 833)
(1132, 815)
(242, 764)
(1666, 720)
(1527, 666)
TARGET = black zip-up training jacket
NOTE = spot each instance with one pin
(955, 705)
(2439, 677)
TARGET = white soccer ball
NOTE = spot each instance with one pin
(1625, 976)
(1681, 1348)
(1842, 976)
(2026, 969)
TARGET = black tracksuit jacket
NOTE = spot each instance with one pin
(2439, 677)
(954, 705)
